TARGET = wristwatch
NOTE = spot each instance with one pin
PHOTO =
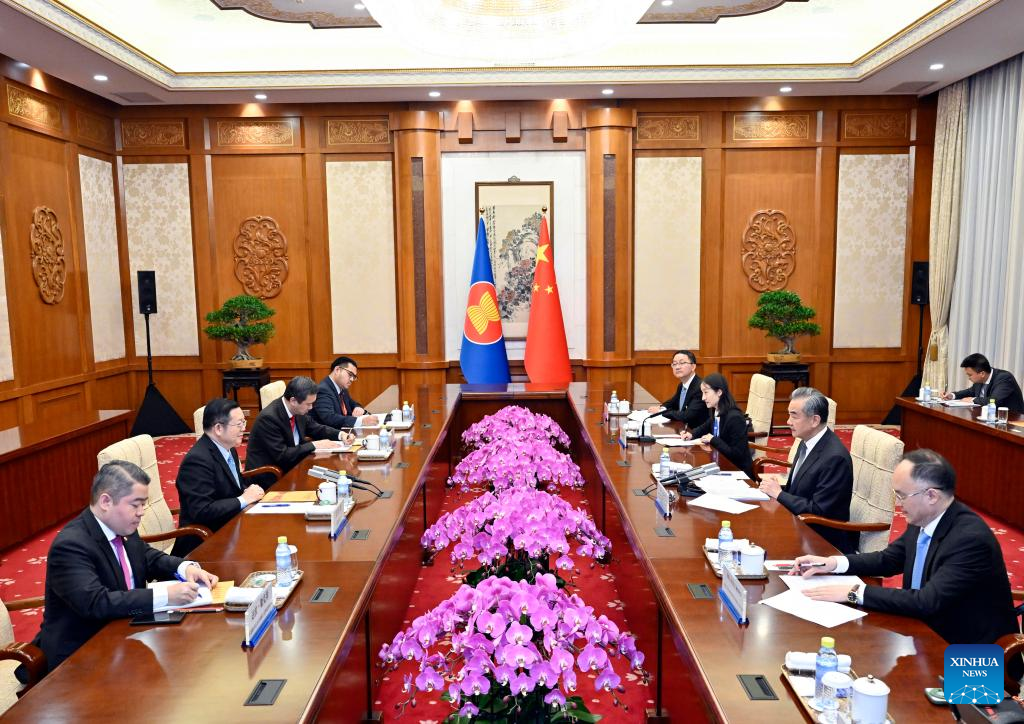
(852, 595)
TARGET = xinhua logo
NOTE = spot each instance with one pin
(973, 674)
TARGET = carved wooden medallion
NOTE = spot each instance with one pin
(48, 266)
(261, 257)
(769, 251)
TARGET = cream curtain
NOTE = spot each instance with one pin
(987, 310)
(944, 234)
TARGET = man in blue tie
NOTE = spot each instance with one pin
(954, 577)
(211, 487)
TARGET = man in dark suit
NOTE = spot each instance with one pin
(987, 384)
(821, 479)
(686, 405)
(210, 484)
(98, 566)
(334, 406)
(278, 435)
(954, 576)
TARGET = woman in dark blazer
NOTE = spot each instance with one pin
(726, 429)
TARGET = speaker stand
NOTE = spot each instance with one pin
(913, 388)
(156, 416)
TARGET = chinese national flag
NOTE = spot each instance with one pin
(547, 354)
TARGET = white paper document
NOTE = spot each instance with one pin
(280, 508)
(966, 402)
(823, 613)
(677, 442)
(799, 583)
(718, 502)
(730, 487)
(637, 415)
(203, 598)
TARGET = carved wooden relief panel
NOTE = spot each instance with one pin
(141, 134)
(894, 124)
(357, 130)
(655, 127)
(771, 126)
(261, 257)
(768, 251)
(255, 133)
(47, 248)
(97, 129)
(34, 107)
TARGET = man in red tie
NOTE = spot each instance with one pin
(98, 566)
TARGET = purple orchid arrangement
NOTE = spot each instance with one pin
(510, 651)
(515, 533)
(514, 421)
(516, 462)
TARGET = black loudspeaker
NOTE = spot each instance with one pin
(147, 292)
(918, 283)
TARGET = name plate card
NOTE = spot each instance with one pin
(661, 501)
(258, 616)
(338, 519)
(734, 595)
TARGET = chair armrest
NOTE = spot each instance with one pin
(754, 435)
(31, 656)
(761, 463)
(197, 530)
(264, 470)
(1012, 645)
(174, 511)
(1017, 595)
(843, 525)
(20, 604)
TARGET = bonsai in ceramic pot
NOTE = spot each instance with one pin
(242, 320)
(782, 315)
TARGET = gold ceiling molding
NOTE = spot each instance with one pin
(92, 127)
(876, 125)
(47, 251)
(288, 11)
(771, 126)
(261, 257)
(711, 13)
(34, 107)
(152, 134)
(657, 127)
(768, 251)
(341, 131)
(255, 133)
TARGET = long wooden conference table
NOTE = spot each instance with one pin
(326, 652)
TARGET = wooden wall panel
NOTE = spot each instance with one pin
(269, 186)
(61, 402)
(46, 337)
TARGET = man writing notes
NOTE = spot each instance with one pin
(821, 479)
(987, 384)
(277, 436)
(954, 577)
(334, 406)
(98, 566)
(210, 484)
(686, 405)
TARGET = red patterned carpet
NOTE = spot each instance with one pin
(23, 567)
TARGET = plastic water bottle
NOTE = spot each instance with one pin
(385, 437)
(826, 661)
(927, 393)
(724, 536)
(406, 412)
(664, 463)
(990, 410)
(614, 402)
(412, 412)
(283, 557)
(344, 488)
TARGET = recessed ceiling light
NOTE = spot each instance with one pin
(359, 6)
(607, 91)
(666, 3)
(434, 94)
(936, 66)
(100, 77)
(260, 96)
(785, 89)
(22, 65)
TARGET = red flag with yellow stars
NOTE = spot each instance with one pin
(547, 354)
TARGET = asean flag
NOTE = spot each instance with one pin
(547, 354)
(483, 357)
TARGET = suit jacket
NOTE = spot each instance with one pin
(823, 486)
(85, 585)
(731, 439)
(333, 409)
(964, 594)
(271, 441)
(694, 412)
(1001, 385)
(207, 491)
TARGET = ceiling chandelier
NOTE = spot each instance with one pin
(506, 32)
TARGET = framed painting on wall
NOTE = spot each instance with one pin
(512, 212)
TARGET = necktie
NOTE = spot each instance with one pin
(923, 539)
(801, 453)
(295, 437)
(234, 468)
(682, 398)
(125, 568)
(344, 407)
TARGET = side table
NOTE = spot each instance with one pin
(796, 372)
(233, 379)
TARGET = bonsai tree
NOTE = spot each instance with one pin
(782, 315)
(241, 320)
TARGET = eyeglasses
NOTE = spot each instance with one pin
(901, 497)
(351, 374)
(240, 424)
(681, 364)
